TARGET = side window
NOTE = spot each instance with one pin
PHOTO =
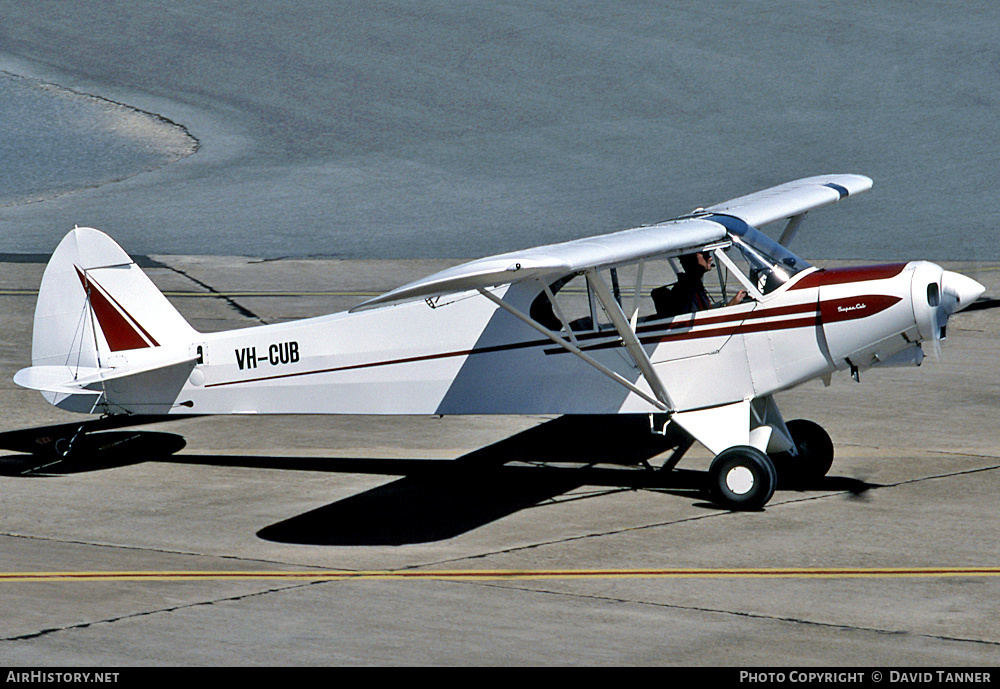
(661, 288)
(576, 304)
(700, 283)
(572, 303)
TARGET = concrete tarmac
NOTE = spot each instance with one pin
(892, 560)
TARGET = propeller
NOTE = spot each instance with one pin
(937, 295)
(957, 292)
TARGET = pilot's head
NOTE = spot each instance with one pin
(697, 263)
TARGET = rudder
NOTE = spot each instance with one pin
(96, 307)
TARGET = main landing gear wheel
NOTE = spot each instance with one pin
(742, 478)
(815, 451)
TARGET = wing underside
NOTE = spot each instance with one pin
(556, 260)
(670, 238)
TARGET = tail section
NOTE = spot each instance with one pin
(95, 302)
(98, 318)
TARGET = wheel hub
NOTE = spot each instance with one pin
(739, 480)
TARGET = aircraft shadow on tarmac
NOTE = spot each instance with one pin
(43, 448)
(434, 499)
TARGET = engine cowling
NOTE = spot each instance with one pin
(937, 294)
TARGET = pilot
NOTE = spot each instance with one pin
(688, 294)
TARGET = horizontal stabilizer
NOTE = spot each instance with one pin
(60, 379)
(89, 380)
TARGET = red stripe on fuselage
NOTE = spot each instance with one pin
(840, 276)
(852, 308)
(745, 325)
(700, 319)
(741, 322)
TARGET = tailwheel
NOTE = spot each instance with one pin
(814, 448)
(742, 478)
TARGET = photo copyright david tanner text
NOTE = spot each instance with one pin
(855, 677)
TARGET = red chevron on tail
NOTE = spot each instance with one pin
(121, 330)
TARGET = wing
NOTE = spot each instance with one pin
(669, 238)
(555, 260)
(791, 199)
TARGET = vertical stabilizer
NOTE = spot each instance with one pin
(97, 309)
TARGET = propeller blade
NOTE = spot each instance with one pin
(957, 292)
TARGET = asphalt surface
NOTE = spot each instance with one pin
(492, 541)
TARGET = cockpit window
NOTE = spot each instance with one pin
(768, 264)
(665, 287)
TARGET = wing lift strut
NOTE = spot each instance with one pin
(625, 329)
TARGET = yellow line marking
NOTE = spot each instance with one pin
(511, 574)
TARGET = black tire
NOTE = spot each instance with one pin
(815, 451)
(742, 478)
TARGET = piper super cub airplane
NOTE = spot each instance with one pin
(588, 326)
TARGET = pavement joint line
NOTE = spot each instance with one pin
(239, 308)
(355, 575)
(749, 615)
(969, 453)
(319, 576)
(714, 514)
(161, 551)
(950, 474)
(772, 618)
(148, 613)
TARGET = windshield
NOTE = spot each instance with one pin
(768, 264)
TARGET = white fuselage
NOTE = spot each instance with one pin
(470, 357)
